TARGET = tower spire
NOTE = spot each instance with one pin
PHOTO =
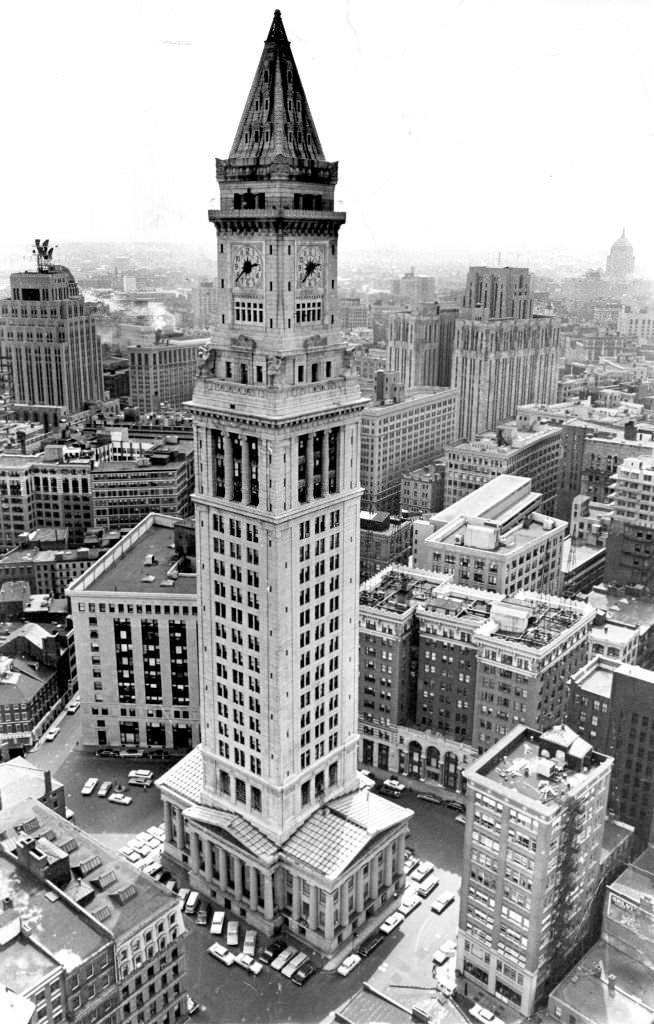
(276, 120)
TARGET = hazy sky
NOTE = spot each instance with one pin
(466, 127)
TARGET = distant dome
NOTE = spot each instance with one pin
(620, 261)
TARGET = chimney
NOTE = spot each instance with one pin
(47, 780)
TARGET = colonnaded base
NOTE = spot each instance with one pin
(338, 874)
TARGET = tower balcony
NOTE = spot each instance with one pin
(276, 403)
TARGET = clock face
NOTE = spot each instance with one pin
(247, 263)
(310, 260)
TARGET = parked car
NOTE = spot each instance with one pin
(442, 902)
(410, 862)
(370, 943)
(232, 933)
(202, 915)
(456, 805)
(410, 902)
(104, 789)
(431, 798)
(141, 777)
(486, 1016)
(424, 868)
(217, 922)
(391, 787)
(88, 787)
(427, 886)
(272, 951)
(73, 706)
(183, 896)
(249, 963)
(106, 752)
(440, 957)
(305, 971)
(120, 798)
(191, 1006)
(461, 819)
(282, 958)
(192, 902)
(250, 942)
(222, 954)
(391, 923)
(348, 965)
(291, 966)
(52, 733)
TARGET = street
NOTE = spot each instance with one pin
(401, 966)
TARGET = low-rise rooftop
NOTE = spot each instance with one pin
(533, 620)
(145, 560)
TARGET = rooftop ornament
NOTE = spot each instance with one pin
(43, 252)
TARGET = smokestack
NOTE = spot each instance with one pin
(47, 780)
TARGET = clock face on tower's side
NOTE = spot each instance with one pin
(310, 260)
(247, 263)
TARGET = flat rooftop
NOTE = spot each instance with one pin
(473, 532)
(489, 500)
(586, 987)
(532, 620)
(545, 768)
(396, 591)
(141, 563)
(599, 682)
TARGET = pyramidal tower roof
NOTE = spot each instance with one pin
(276, 121)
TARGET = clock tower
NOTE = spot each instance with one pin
(270, 810)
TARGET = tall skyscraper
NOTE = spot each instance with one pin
(504, 356)
(48, 340)
(268, 811)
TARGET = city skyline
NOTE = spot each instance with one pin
(570, 160)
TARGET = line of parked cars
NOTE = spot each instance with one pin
(115, 791)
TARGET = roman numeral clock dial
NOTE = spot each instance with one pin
(247, 263)
(310, 262)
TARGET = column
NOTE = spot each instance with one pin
(358, 891)
(222, 869)
(208, 859)
(324, 457)
(168, 822)
(210, 456)
(245, 469)
(313, 907)
(374, 878)
(309, 466)
(401, 843)
(297, 886)
(179, 829)
(344, 915)
(229, 465)
(238, 877)
(388, 865)
(329, 915)
(268, 898)
(254, 886)
(195, 852)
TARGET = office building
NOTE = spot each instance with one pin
(420, 344)
(135, 623)
(415, 288)
(384, 540)
(523, 447)
(526, 653)
(268, 816)
(417, 674)
(159, 478)
(620, 261)
(616, 701)
(504, 355)
(86, 936)
(401, 431)
(630, 542)
(636, 324)
(423, 490)
(52, 488)
(535, 821)
(353, 314)
(47, 335)
(521, 548)
(44, 570)
(205, 305)
(162, 371)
